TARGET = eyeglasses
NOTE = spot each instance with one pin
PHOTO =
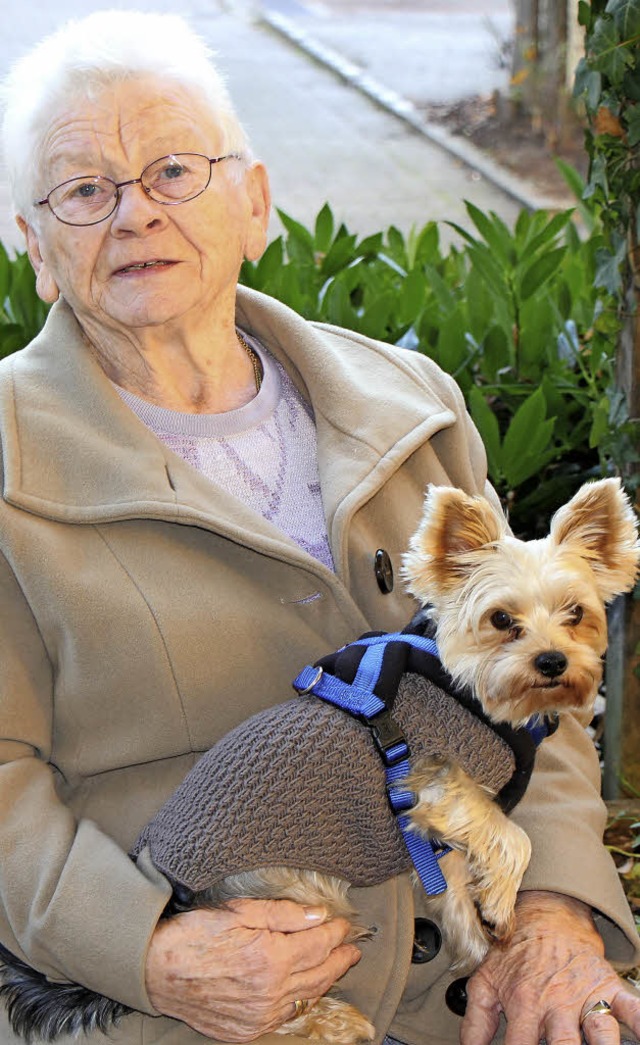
(170, 180)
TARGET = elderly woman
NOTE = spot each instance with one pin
(195, 484)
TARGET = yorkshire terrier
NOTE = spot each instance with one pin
(522, 626)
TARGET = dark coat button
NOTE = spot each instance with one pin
(456, 996)
(427, 941)
(384, 571)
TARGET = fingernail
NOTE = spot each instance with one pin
(315, 914)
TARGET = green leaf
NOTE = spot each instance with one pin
(337, 308)
(497, 352)
(587, 84)
(539, 323)
(553, 228)
(453, 350)
(542, 269)
(5, 276)
(626, 14)
(12, 338)
(291, 293)
(427, 245)
(480, 304)
(600, 422)
(270, 264)
(577, 184)
(630, 84)
(527, 439)
(299, 241)
(607, 53)
(632, 120)
(487, 424)
(493, 231)
(410, 300)
(371, 245)
(375, 319)
(324, 229)
(493, 274)
(25, 307)
(441, 290)
(597, 177)
(462, 232)
(340, 254)
(584, 14)
(523, 226)
(397, 247)
(609, 266)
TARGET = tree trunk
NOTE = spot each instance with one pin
(539, 68)
(621, 774)
(622, 726)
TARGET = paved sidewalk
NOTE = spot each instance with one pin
(321, 138)
(426, 50)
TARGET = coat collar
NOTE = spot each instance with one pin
(74, 452)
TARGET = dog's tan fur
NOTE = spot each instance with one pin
(468, 568)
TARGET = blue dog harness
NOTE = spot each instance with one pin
(359, 699)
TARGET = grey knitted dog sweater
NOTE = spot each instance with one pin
(302, 785)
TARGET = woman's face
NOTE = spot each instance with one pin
(197, 247)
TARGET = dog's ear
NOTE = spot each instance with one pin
(600, 524)
(453, 529)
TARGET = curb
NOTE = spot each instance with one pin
(406, 111)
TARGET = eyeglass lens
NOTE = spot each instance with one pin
(170, 179)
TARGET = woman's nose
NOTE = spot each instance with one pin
(135, 210)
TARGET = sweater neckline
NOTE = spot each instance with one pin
(251, 414)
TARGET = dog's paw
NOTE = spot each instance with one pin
(496, 882)
(331, 1022)
(497, 927)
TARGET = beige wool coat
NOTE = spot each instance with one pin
(144, 613)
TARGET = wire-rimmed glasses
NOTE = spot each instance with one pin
(172, 179)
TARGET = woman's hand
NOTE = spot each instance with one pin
(234, 974)
(551, 972)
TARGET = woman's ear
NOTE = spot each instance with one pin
(46, 285)
(257, 184)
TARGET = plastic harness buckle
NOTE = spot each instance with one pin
(388, 737)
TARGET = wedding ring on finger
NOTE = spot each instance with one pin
(300, 1006)
(601, 1007)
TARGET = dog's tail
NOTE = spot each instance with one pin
(41, 1010)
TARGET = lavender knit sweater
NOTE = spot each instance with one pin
(264, 453)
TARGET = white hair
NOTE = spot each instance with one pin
(84, 57)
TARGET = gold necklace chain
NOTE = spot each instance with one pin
(255, 360)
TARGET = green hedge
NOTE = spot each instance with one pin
(516, 315)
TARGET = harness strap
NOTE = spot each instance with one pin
(359, 699)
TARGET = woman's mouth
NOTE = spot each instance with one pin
(141, 266)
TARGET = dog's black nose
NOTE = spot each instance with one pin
(551, 663)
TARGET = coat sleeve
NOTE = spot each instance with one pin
(72, 903)
(564, 816)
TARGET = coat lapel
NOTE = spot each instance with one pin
(385, 412)
(74, 452)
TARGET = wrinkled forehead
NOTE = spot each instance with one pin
(129, 122)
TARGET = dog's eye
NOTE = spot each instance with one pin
(576, 613)
(501, 620)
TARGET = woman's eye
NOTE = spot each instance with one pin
(175, 171)
(85, 191)
(501, 620)
(576, 613)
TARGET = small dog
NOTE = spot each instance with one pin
(520, 624)
(523, 624)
